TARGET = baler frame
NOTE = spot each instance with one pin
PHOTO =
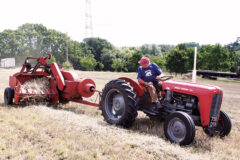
(64, 85)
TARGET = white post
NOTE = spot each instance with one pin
(194, 78)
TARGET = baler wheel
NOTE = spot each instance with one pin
(8, 96)
(179, 128)
(118, 103)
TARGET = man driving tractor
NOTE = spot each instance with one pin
(148, 76)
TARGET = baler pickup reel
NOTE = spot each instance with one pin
(45, 82)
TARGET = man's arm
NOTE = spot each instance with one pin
(160, 76)
(159, 71)
(142, 82)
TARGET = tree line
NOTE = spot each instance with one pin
(99, 54)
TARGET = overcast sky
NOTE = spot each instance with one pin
(131, 22)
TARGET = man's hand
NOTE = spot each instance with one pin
(149, 83)
(160, 77)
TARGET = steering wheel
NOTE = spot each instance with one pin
(165, 78)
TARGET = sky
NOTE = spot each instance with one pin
(131, 22)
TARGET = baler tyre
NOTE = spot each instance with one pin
(118, 103)
(8, 96)
(179, 128)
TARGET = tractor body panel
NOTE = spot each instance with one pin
(204, 93)
(209, 105)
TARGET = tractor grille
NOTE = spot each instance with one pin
(215, 108)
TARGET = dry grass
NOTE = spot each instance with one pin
(76, 131)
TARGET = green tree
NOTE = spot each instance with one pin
(176, 60)
(192, 45)
(67, 65)
(97, 46)
(100, 66)
(118, 64)
(12, 44)
(88, 63)
(234, 51)
(77, 51)
(107, 59)
(215, 57)
(160, 61)
(151, 49)
(132, 64)
(33, 40)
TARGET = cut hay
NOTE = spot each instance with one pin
(38, 87)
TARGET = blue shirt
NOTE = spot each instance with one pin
(150, 73)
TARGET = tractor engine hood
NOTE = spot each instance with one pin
(191, 88)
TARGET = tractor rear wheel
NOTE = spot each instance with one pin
(118, 103)
(179, 128)
(8, 96)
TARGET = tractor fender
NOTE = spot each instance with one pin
(136, 86)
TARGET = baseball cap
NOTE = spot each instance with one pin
(144, 60)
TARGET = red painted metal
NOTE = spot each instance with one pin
(86, 102)
(69, 76)
(54, 97)
(58, 76)
(204, 93)
(86, 87)
(63, 84)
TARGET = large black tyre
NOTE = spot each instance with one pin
(179, 128)
(224, 124)
(8, 96)
(223, 128)
(118, 103)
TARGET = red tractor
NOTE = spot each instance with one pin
(184, 104)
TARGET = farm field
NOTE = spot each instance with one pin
(76, 131)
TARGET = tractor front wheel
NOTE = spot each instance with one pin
(224, 124)
(8, 96)
(118, 103)
(223, 128)
(179, 128)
